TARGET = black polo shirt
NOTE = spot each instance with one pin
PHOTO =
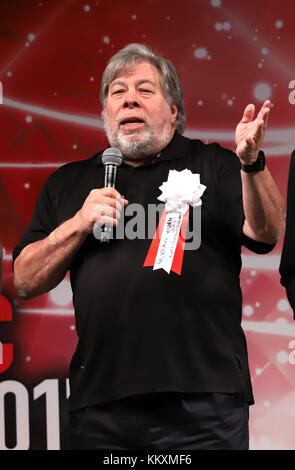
(143, 331)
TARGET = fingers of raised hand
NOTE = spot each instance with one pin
(248, 113)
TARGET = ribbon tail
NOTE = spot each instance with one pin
(152, 253)
(179, 251)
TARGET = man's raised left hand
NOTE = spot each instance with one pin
(250, 133)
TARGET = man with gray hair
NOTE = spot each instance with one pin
(161, 360)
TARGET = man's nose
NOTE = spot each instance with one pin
(131, 100)
(129, 103)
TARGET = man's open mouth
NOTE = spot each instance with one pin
(131, 121)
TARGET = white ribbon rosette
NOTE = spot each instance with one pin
(181, 190)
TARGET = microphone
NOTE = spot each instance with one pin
(111, 158)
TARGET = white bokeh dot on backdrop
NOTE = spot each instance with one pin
(279, 24)
(201, 53)
(283, 305)
(262, 91)
(248, 310)
(282, 357)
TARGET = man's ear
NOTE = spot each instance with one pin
(174, 110)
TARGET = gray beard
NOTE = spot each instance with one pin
(140, 150)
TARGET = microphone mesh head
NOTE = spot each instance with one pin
(112, 156)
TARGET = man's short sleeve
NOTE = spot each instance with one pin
(44, 219)
(260, 248)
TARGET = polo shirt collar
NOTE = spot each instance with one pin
(177, 148)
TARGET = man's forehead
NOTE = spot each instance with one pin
(142, 71)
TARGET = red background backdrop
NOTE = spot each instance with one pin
(52, 54)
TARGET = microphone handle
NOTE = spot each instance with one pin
(110, 176)
(109, 182)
